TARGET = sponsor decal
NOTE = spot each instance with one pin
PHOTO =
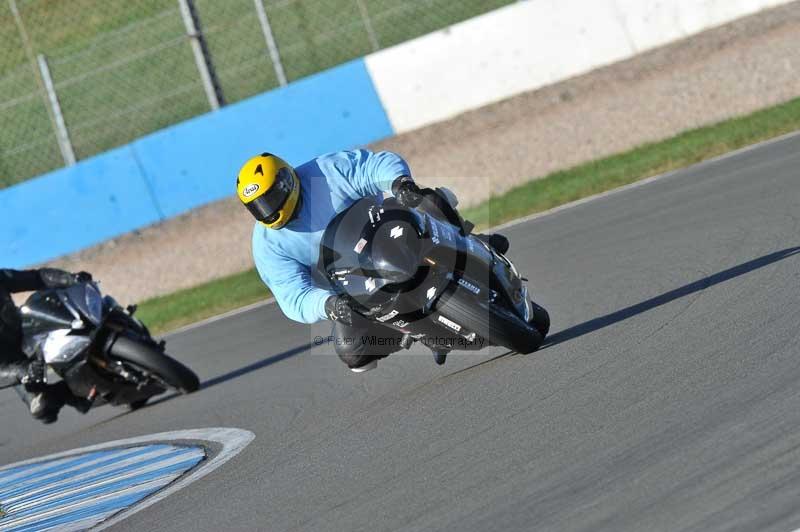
(469, 286)
(400, 323)
(389, 316)
(396, 232)
(447, 233)
(360, 246)
(431, 292)
(373, 215)
(453, 325)
(250, 189)
(434, 232)
(370, 285)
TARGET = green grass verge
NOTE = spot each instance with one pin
(651, 159)
(556, 189)
(192, 304)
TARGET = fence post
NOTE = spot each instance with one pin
(37, 74)
(62, 134)
(272, 46)
(202, 55)
(373, 39)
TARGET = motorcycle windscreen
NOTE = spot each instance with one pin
(86, 299)
(44, 312)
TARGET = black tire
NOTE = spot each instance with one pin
(540, 319)
(150, 359)
(492, 322)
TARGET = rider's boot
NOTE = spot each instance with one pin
(497, 241)
(439, 356)
(46, 402)
(45, 407)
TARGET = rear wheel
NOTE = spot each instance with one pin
(493, 322)
(150, 359)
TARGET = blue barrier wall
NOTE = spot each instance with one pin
(185, 166)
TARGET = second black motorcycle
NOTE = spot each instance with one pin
(101, 351)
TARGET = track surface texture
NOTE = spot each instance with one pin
(668, 397)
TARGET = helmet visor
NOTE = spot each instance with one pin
(266, 207)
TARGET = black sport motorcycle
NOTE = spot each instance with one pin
(101, 351)
(422, 273)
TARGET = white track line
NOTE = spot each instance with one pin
(524, 219)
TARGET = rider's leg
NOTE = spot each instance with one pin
(46, 401)
(43, 401)
(362, 344)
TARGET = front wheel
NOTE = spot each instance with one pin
(540, 319)
(493, 322)
(153, 361)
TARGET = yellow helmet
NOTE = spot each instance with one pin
(268, 186)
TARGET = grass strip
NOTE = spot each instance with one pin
(168, 312)
(594, 177)
(186, 306)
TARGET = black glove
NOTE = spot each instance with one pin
(82, 277)
(55, 278)
(338, 309)
(407, 192)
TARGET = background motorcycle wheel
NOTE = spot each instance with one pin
(154, 361)
(540, 319)
(492, 322)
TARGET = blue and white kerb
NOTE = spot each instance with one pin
(77, 492)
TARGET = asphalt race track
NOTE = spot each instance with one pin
(668, 396)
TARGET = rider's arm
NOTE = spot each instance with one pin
(20, 280)
(374, 173)
(291, 283)
(30, 280)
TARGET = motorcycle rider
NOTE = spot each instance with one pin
(293, 207)
(43, 400)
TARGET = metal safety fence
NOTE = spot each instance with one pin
(78, 77)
